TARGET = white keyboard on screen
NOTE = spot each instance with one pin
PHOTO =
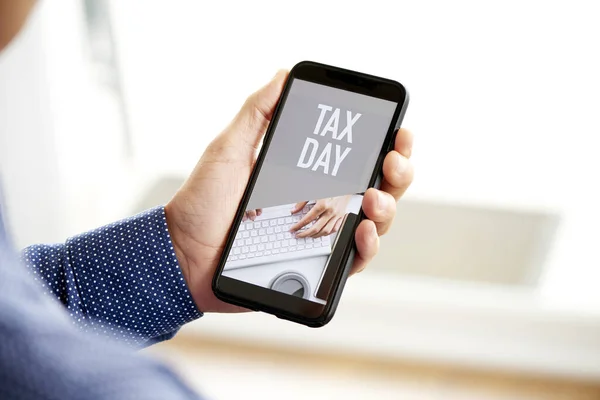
(268, 240)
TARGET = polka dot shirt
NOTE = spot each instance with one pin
(121, 280)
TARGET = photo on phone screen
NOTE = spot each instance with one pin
(318, 164)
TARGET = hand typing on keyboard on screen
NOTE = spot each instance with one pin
(322, 219)
(269, 238)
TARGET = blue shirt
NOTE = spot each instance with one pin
(70, 314)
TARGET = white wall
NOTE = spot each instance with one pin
(504, 100)
(29, 169)
(61, 143)
(89, 135)
(504, 95)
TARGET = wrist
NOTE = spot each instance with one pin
(176, 241)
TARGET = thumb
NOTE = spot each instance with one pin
(251, 122)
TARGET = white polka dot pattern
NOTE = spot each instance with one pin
(44, 355)
(122, 280)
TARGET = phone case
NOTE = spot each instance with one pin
(334, 276)
(347, 235)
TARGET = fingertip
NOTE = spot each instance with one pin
(404, 142)
(372, 231)
(281, 74)
(394, 163)
(398, 172)
(295, 227)
(367, 239)
(369, 201)
(378, 205)
(370, 196)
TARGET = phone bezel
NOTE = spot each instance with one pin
(283, 305)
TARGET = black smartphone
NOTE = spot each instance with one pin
(291, 245)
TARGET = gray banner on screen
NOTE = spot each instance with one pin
(303, 165)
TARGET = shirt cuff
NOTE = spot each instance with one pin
(129, 279)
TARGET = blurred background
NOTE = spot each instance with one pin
(487, 287)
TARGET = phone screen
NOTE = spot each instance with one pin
(319, 162)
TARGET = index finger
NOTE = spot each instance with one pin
(397, 170)
(397, 174)
(310, 216)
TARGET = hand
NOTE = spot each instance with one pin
(379, 206)
(328, 215)
(200, 214)
(252, 214)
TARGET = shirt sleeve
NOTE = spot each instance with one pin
(121, 280)
(43, 356)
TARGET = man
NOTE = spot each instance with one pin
(139, 280)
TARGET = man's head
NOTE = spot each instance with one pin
(13, 14)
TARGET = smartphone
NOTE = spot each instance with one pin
(291, 245)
